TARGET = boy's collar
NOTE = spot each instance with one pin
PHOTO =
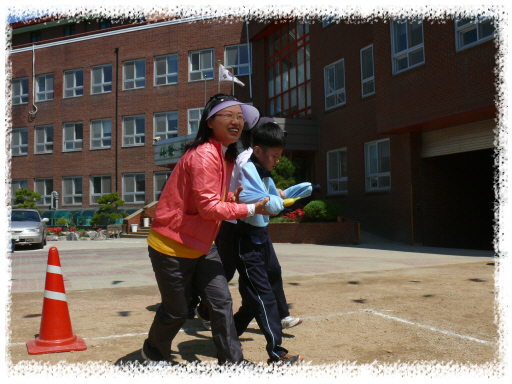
(261, 171)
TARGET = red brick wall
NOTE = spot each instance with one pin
(346, 232)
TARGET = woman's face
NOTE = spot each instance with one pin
(225, 125)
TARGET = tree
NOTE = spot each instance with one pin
(283, 173)
(26, 198)
(109, 204)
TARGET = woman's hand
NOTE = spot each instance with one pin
(259, 207)
(235, 197)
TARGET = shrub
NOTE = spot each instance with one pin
(322, 210)
(55, 231)
(297, 215)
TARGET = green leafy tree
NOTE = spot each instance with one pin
(26, 198)
(107, 211)
(283, 173)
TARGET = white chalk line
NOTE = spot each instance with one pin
(450, 333)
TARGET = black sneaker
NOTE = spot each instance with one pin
(150, 354)
(287, 360)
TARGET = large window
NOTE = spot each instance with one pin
(166, 125)
(134, 187)
(104, 24)
(473, 31)
(35, 36)
(69, 30)
(44, 87)
(101, 133)
(73, 136)
(72, 190)
(44, 139)
(16, 185)
(377, 165)
(44, 187)
(100, 185)
(101, 79)
(134, 74)
(19, 141)
(160, 180)
(194, 118)
(20, 91)
(288, 67)
(237, 56)
(367, 74)
(201, 65)
(166, 69)
(134, 130)
(74, 83)
(407, 41)
(337, 171)
(334, 77)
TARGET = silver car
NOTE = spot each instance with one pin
(27, 227)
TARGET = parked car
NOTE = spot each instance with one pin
(27, 227)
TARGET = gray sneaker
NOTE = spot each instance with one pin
(207, 324)
(290, 322)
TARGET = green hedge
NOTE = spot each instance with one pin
(324, 210)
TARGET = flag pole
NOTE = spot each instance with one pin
(204, 89)
(232, 81)
(219, 76)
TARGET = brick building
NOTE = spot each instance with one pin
(394, 119)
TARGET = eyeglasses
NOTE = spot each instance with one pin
(230, 117)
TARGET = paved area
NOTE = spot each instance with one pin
(125, 262)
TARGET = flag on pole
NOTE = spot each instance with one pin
(225, 75)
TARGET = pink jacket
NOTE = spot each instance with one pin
(190, 207)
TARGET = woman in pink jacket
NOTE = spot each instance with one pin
(194, 201)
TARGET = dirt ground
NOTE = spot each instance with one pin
(443, 314)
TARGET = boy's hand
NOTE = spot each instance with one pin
(281, 193)
(235, 197)
(259, 207)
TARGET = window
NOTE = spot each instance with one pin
(237, 56)
(44, 87)
(327, 20)
(35, 36)
(72, 190)
(134, 187)
(166, 125)
(44, 187)
(19, 141)
(367, 74)
(16, 185)
(166, 70)
(20, 91)
(74, 83)
(73, 136)
(334, 76)
(104, 24)
(473, 31)
(288, 68)
(44, 139)
(69, 29)
(337, 171)
(134, 130)
(377, 165)
(200, 65)
(101, 133)
(160, 180)
(194, 117)
(100, 185)
(101, 79)
(134, 73)
(407, 41)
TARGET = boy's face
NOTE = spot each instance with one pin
(268, 157)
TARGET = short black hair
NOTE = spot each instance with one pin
(268, 135)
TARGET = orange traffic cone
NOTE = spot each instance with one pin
(55, 334)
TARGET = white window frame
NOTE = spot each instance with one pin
(339, 178)
(47, 94)
(472, 24)
(46, 196)
(189, 120)
(201, 70)
(377, 175)
(78, 144)
(73, 195)
(370, 79)
(95, 196)
(136, 193)
(396, 57)
(16, 185)
(47, 144)
(103, 84)
(169, 133)
(156, 192)
(236, 68)
(135, 79)
(167, 74)
(22, 149)
(73, 87)
(336, 92)
(18, 97)
(139, 139)
(103, 137)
